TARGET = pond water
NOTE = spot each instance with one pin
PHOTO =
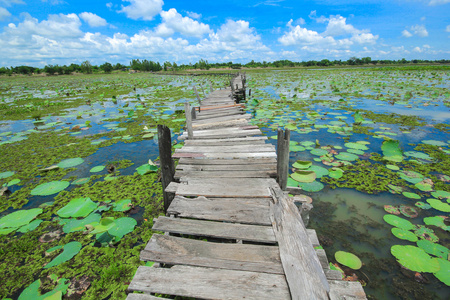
(369, 124)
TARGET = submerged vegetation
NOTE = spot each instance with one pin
(80, 188)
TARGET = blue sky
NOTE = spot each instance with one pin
(41, 32)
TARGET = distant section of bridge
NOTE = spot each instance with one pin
(230, 231)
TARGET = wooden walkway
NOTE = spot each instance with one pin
(230, 231)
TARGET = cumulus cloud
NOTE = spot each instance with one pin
(419, 30)
(92, 19)
(314, 41)
(4, 14)
(11, 2)
(193, 15)
(406, 33)
(447, 28)
(142, 9)
(438, 2)
(172, 22)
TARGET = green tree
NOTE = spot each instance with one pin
(106, 67)
(86, 67)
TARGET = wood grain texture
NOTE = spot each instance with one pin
(302, 268)
(182, 251)
(209, 283)
(246, 211)
(252, 233)
(346, 290)
(226, 174)
(134, 296)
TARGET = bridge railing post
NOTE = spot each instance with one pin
(166, 163)
(283, 157)
(188, 114)
(198, 97)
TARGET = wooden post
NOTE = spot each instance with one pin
(166, 162)
(204, 94)
(283, 157)
(198, 97)
(194, 113)
(188, 114)
(250, 92)
(237, 86)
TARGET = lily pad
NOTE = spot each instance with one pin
(146, 168)
(291, 182)
(81, 181)
(302, 164)
(441, 194)
(391, 150)
(32, 291)
(392, 209)
(411, 176)
(411, 195)
(392, 167)
(423, 205)
(444, 273)
(70, 162)
(335, 173)
(437, 221)
(355, 151)
(19, 218)
(409, 211)
(6, 174)
(424, 186)
(419, 155)
(80, 207)
(30, 227)
(398, 222)
(122, 205)
(415, 259)
(104, 225)
(356, 146)
(320, 171)
(122, 226)
(97, 169)
(304, 176)
(314, 186)
(319, 152)
(433, 248)
(49, 188)
(78, 225)
(347, 156)
(404, 234)
(70, 250)
(348, 259)
(297, 148)
(434, 143)
(439, 205)
(426, 233)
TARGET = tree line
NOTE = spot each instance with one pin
(150, 66)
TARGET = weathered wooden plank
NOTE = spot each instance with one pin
(322, 255)
(208, 283)
(312, 235)
(222, 119)
(332, 274)
(223, 124)
(181, 251)
(134, 296)
(251, 140)
(237, 161)
(302, 268)
(224, 130)
(228, 167)
(245, 211)
(346, 290)
(261, 183)
(252, 233)
(167, 164)
(241, 133)
(225, 148)
(172, 187)
(226, 155)
(217, 190)
(226, 174)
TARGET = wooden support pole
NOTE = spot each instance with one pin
(283, 157)
(194, 113)
(204, 94)
(166, 162)
(188, 114)
(250, 92)
(198, 97)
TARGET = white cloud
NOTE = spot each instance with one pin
(11, 2)
(406, 33)
(299, 21)
(419, 30)
(326, 41)
(313, 16)
(175, 22)
(142, 9)
(438, 2)
(109, 5)
(417, 49)
(92, 19)
(447, 28)
(4, 14)
(193, 15)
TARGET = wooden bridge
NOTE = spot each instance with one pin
(230, 231)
